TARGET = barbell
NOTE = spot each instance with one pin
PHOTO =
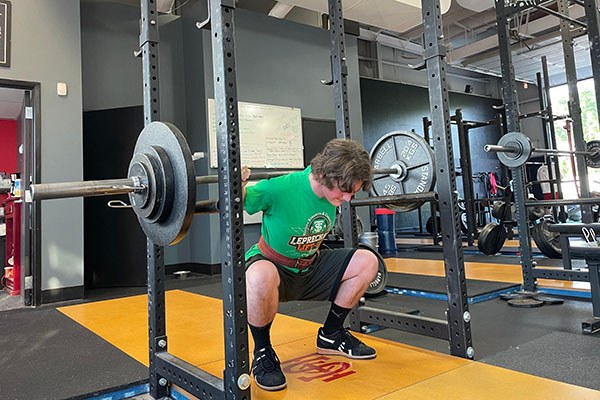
(161, 182)
(515, 149)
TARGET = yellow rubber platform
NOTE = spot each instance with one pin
(195, 334)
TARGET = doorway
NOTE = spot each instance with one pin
(19, 114)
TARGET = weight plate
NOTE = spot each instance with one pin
(429, 224)
(522, 152)
(547, 242)
(172, 161)
(500, 211)
(525, 303)
(413, 157)
(515, 295)
(491, 238)
(535, 213)
(593, 161)
(377, 286)
(548, 299)
(338, 226)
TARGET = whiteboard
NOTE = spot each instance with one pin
(270, 136)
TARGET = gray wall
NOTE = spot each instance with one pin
(46, 48)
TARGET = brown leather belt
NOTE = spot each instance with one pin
(298, 263)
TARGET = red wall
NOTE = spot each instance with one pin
(8, 148)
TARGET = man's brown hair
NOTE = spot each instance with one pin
(343, 162)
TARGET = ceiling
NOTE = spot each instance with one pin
(469, 30)
(11, 103)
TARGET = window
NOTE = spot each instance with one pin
(559, 96)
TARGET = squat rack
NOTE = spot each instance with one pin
(505, 9)
(456, 329)
(166, 368)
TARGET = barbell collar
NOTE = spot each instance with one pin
(63, 190)
(394, 200)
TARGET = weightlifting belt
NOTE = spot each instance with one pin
(272, 255)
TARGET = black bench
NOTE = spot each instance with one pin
(591, 255)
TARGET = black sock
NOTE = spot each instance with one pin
(261, 336)
(335, 319)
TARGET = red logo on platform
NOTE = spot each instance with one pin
(312, 367)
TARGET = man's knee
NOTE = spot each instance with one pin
(367, 262)
(262, 273)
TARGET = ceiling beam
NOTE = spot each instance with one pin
(280, 10)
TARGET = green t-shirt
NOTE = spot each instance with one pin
(295, 221)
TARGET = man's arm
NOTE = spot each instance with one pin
(245, 176)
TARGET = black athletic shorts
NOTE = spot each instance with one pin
(320, 281)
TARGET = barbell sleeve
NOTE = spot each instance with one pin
(62, 190)
(206, 207)
(499, 149)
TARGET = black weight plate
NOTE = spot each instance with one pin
(177, 218)
(429, 224)
(536, 213)
(515, 295)
(377, 286)
(593, 161)
(522, 146)
(501, 211)
(338, 226)
(547, 242)
(525, 303)
(497, 209)
(548, 299)
(412, 155)
(491, 238)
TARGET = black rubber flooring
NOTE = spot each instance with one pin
(434, 284)
(47, 356)
(578, 359)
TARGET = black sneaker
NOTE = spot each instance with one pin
(267, 370)
(342, 343)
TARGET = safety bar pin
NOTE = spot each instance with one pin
(118, 204)
(590, 236)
